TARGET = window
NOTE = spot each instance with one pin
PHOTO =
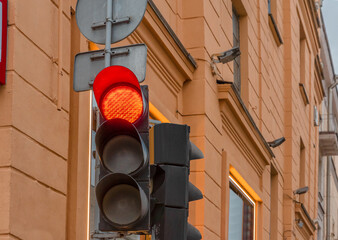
(302, 54)
(236, 43)
(272, 11)
(321, 177)
(241, 214)
(272, 6)
(319, 232)
(304, 65)
(302, 172)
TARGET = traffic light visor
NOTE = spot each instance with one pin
(118, 94)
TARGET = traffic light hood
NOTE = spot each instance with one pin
(174, 145)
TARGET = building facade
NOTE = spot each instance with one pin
(238, 113)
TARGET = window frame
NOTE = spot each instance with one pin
(236, 43)
(272, 11)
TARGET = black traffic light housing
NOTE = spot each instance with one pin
(173, 151)
(123, 193)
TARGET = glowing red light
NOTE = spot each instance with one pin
(118, 94)
(123, 102)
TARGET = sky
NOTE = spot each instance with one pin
(330, 14)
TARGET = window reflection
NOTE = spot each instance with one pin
(241, 215)
(235, 216)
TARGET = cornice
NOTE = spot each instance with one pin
(166, 57)
(319, 75)
(172, 33)
(165, 37)
(309, 227)
(309, 22)
(240, 127)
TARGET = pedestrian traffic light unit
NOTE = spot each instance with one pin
(122, 141)
(172, 152)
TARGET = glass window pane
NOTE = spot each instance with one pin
(241, 215)
(235, 216)
(236, 43)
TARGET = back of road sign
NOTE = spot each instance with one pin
(91, 18)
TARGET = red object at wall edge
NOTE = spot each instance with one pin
(3, 59)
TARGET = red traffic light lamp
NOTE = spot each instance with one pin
(118, 94)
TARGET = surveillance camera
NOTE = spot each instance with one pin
(302, 190)
(276, 142)
(226, 56)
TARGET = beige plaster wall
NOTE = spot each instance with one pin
(33, 161)
(46, 147)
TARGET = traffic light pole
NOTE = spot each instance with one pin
(107, 60)
(109, 24)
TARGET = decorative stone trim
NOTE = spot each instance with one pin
(240, 127)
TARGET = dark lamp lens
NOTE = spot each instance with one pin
(123, 154)
(122, 204)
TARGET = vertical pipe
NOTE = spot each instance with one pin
(328, 108)
(328, 166)
(328, 192)
(60, 63)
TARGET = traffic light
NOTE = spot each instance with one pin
(172, 152)
(118, 95)
(122, 140)
(122, 143)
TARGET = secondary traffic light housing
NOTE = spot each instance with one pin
(122, 145)
(173, 151)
